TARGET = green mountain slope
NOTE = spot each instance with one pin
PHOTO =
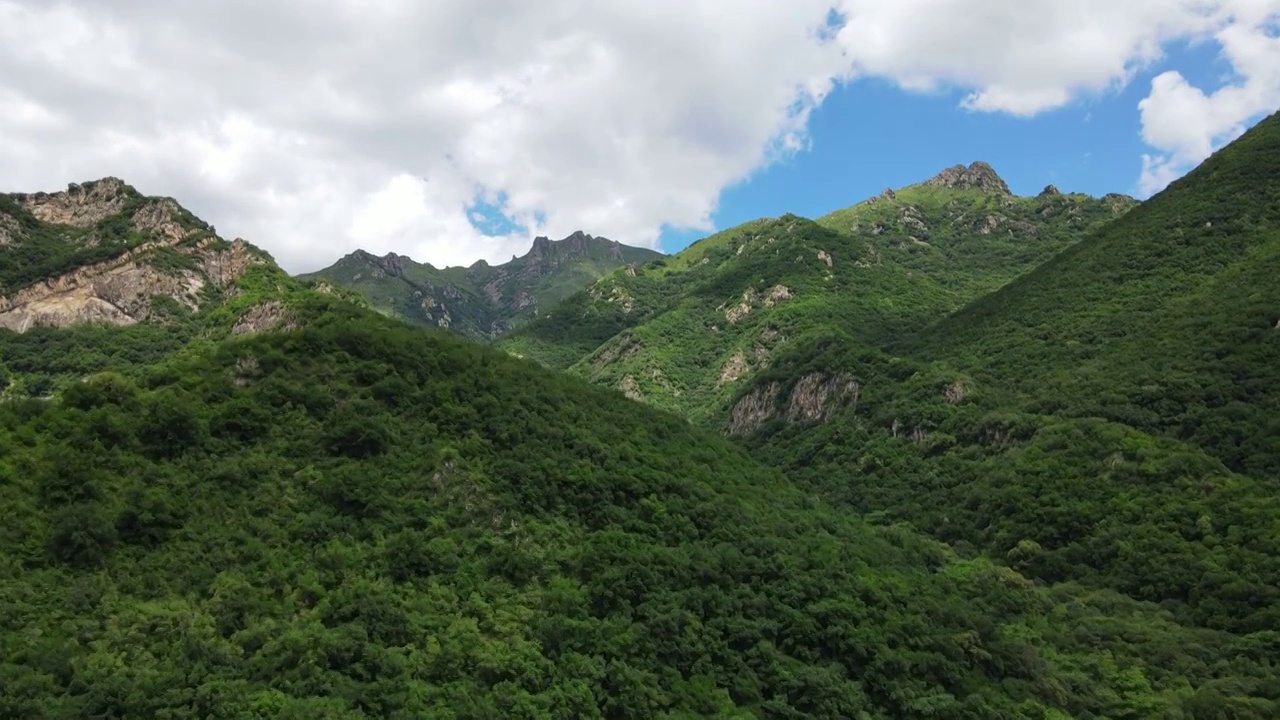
(686, 332)
(1106, 419)
(359, 519)
(483, 300)
(1165, 321)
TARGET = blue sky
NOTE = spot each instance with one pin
(870, 134)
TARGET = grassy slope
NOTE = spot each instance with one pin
(358, 519)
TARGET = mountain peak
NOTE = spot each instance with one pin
(81, 204)
(575, 244)
(978, 176)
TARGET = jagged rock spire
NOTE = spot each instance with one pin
(978, 176)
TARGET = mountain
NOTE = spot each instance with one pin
(102, 252)
(483, 300)
(265, 499)
(1167, 320)
(354, 518)
(686, 332)
(1107, 419)
(1101, 414)
(100, 276)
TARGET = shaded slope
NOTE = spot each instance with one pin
(1064, 500)
(482, 300)
(355, 519)
(1165, 320)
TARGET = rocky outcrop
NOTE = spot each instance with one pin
(817, 395)
(631, 388)
(621, 349)
(1050, 191)
(913, 220)
(814, 398)
(753, 409)
(266, 315)
(10, 230)
(734, 369)
(121, 291)
(776, 295)
(160, 218)
(735, 312)
(978, 176)
(751, 299)
(80, 205)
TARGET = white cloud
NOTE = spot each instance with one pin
(312, 128)
(1027, 56)
(1185, 124)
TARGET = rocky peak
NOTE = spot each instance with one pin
(80, 205)
(1050, 190)
(577, 243)
(978, 176)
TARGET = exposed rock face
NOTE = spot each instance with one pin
(80, 205)
(1049, 191)
(825, 257)
(978, 176)
(120, 291)
(631, 388)
(813, 399)
(736, 312)
(160, 218)
(626, 346)
(954, 393)
(267, 315)
(753, 409)
(912, 219)
(734, 370)
(777, 294)
(816, 396)
(989, 224)
(10, 230)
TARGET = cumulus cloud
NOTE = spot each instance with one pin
(312, 128)
(1185, 124)
(1027, 56)
(315, 127)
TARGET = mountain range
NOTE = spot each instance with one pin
(949, 452)
(482, 300)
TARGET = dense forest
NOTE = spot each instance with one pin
(358, 519)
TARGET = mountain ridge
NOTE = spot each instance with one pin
(886, 266)
(481, 300)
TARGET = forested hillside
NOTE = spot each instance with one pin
(685, 333)
(353, 518)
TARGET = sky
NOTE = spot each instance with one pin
(455, 130)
